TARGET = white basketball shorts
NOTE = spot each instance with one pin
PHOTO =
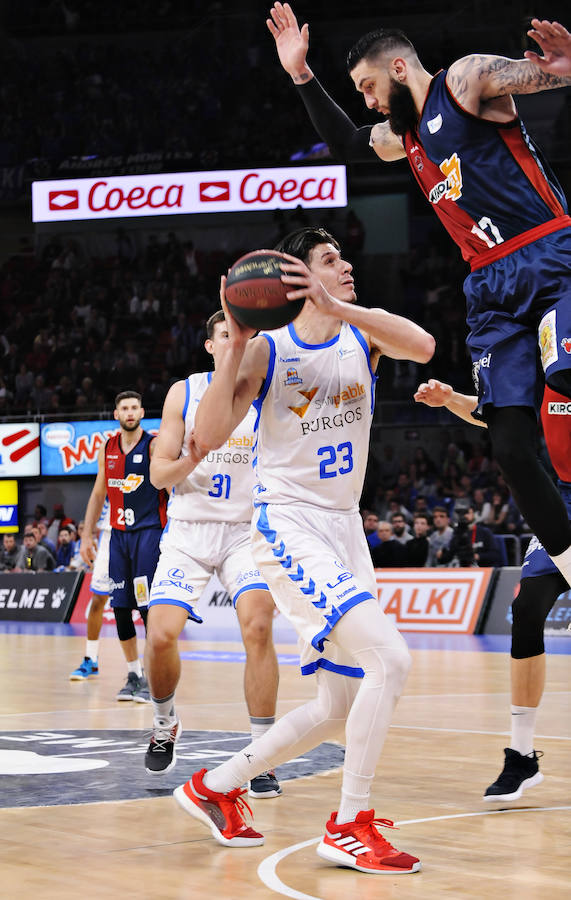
(318, 566)
(191, 552)
(100, 576)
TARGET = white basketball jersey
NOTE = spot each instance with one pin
(316, 408)
(220, 488)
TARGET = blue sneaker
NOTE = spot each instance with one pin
(88, 669)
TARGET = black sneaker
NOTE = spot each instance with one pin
(264, 786)
(160, 757)
(519, 774)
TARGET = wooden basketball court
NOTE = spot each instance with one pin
(444, 748)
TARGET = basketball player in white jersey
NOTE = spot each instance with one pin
(314, 383)
(209, 515)
(89, 668)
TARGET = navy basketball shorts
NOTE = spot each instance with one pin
(133, 557)
(519, 316)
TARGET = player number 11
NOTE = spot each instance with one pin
(480, 231)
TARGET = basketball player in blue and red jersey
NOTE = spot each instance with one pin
(138, 516)
(500, 203)
(541, 584)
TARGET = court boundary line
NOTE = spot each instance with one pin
(267, 869)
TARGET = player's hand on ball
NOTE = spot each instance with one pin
(305, 285)
(291, 42)
(433, 393)
(237, 333)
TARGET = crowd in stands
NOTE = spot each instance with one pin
(46, 545)
(118, 79)
(418, 513)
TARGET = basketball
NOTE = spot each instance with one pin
(255, 293)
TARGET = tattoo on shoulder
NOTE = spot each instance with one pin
(508, 76)
(519, 76)
(301, 79)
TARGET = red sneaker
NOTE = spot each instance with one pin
(359, 845)
(223, 813)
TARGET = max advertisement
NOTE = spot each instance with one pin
(70, 448)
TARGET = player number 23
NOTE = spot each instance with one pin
(336, 460)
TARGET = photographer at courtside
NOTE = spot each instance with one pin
(472, 544)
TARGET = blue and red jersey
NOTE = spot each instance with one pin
(134, 502)
(487, 181)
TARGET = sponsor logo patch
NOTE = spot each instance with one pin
(451, 187)
(548, 340)
(435, 124)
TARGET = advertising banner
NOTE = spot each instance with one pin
(184, 193)
(41, 597)
(436, 600)
(215, 607)
(70, 448)
(20, 450)
(8, 507)
(499, 617)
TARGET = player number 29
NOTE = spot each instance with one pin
(125, 516)
(336, 460)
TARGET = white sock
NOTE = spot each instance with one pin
(259, 726)
(523, 728)
(164, 709)
(92, 649)
(563, 563)
(355, 796)
(135, 666)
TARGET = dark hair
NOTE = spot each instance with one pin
(127, 395)
(374, 43)
(216, 317)
(440, 509)
(300, 243)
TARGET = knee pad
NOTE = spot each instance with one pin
(530, 610)
(125, 624)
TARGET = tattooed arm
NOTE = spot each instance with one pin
(484, 84)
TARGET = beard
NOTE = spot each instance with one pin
(403, 116)
(129, 427)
